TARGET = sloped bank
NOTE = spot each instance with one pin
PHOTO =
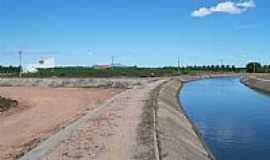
(123, 83)
(176, 135)
(256, 83)
(166, 132)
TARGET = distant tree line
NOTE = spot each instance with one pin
(256, 67)
(9, 70)
(225, 68)
(107, 72)
(133, 71)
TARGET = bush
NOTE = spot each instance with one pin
(6, 104)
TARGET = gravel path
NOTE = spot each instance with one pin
(107, 133)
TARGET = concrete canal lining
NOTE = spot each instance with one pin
(256, 83)
(177, 138)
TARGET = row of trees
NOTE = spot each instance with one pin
(127, 71)
(255, 67)
(9, 69)
(132, 71)
(108, 72)
(213, 68)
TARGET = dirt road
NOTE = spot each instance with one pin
(109, 133)
(41, 112)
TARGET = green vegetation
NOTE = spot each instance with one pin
(81, 72)
(9, 71)
(84, 72)
(255, 67)
(6, 104)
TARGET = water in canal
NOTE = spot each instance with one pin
(233, 119)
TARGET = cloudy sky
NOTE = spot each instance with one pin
(136, 32)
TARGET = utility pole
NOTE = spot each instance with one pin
(20, 63)
(254, 68)
(178, 62)
(112, 65)
(221, 62)
(221, 65)
(112, 60)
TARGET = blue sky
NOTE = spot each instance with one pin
(135, 32)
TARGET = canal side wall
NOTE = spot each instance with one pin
(256, 83)
(177, 137)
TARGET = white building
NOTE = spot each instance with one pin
(43, 63)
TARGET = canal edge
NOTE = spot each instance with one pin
(255, 83)
(196, 130)
(170, 103)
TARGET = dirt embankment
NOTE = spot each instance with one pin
(41, 112)
(259, 82)
(123, 83)
(176, 135)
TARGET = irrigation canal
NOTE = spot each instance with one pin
(233, 119)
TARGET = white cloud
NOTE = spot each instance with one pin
(228, 7)
(201, 12)
(247, 4)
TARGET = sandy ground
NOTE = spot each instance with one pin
(109, 134)
(41, 112)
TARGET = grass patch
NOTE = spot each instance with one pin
(6, 104)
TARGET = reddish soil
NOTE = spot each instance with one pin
(41, 112)
(111, 133)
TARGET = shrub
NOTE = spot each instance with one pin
(6, 104)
